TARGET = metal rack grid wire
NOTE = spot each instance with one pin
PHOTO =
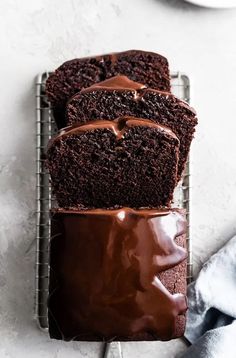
(45, 128)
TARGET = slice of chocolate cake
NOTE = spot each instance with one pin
(117, 275)
(72, 76)
(120, 96)
(105, 164)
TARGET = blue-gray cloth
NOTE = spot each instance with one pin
(211, 319)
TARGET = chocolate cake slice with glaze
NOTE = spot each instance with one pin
(107, 164)
(72, 76)
(117, 275)
(120, 96)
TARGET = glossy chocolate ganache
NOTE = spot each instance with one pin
(110, 273)
(116, 83)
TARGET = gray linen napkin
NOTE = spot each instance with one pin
(211, 319)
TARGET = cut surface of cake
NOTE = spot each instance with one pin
(120, 96)
(117, 275)
(109, 164)
(72, 76)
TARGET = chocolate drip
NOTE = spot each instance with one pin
(104, 273)
(119, 126)
(115, 83)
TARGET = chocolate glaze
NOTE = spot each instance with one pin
(119, 126)
(115, 83)
(104, 273)
(123, 83)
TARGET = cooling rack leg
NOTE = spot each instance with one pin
(113, 350)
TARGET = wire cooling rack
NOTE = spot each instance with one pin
(45, 128)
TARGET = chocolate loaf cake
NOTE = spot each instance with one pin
(72, 76)
(109, 164)
(117, 275)
(120, 96)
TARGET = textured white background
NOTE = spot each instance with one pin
(39, 35)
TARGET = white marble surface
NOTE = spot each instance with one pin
(39, 35)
